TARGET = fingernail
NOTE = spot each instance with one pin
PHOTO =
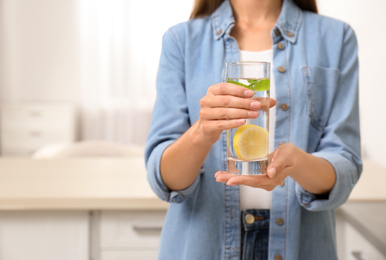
(220, 180)
(255, 104)
(249, 92)
(217, 174)
(253, 113)
(271, 172)
(229, 183)
(241, 121)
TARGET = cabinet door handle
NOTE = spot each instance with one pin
(147, 228)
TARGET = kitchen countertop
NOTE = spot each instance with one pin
(71, 184)
(111, 183)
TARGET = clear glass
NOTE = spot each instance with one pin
(247, 146)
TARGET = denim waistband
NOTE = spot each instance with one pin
(255, 218)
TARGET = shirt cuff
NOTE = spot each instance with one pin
(156, 182)
(181, 195)
(347, 175)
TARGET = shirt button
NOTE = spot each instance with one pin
(290, 34)
(284, 107)
(278, 257)
(279, 221)
(281, 69)
(219, 31)
(249, 218)
(280, 45)
(282, 184)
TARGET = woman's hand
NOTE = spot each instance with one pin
(226, 106)
(282, 162)
(314, 174)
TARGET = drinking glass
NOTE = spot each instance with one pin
(247, 145)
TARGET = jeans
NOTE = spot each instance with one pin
(254, 234)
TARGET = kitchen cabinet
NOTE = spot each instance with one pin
(78, 209)
(359, 248)
(26, 127)
(361, 222)
(44, 235)
(128, 235)
(74, 235)
(80, 235)
(361, 230)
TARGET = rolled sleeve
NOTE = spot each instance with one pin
(170, 117)
(156, 182)
(346, 177)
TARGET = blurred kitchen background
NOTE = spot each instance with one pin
(77, 87)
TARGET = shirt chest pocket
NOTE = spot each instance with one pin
(321, 84)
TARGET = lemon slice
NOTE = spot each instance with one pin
(250, 142)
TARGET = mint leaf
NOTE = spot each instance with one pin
(254, 84)
(259, 85)
(239, 84)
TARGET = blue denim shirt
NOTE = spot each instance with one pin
(318, 82)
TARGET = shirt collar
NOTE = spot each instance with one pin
(287, 26)
(222, 20)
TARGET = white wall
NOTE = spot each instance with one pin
(40, 51)
(369, 22)
(40, 55)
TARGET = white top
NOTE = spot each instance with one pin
(255, 198)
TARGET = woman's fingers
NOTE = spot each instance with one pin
(228, 114)
(272, 102)
(256, 181)
(230, 95)
(227, 106)
(209, 125)
(282, 160)
(231, 89)
(229, 101)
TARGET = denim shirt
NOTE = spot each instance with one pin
(316, 74)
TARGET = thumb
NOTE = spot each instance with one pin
(271, 172)
(275, 165)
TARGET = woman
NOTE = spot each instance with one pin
(288, 213)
